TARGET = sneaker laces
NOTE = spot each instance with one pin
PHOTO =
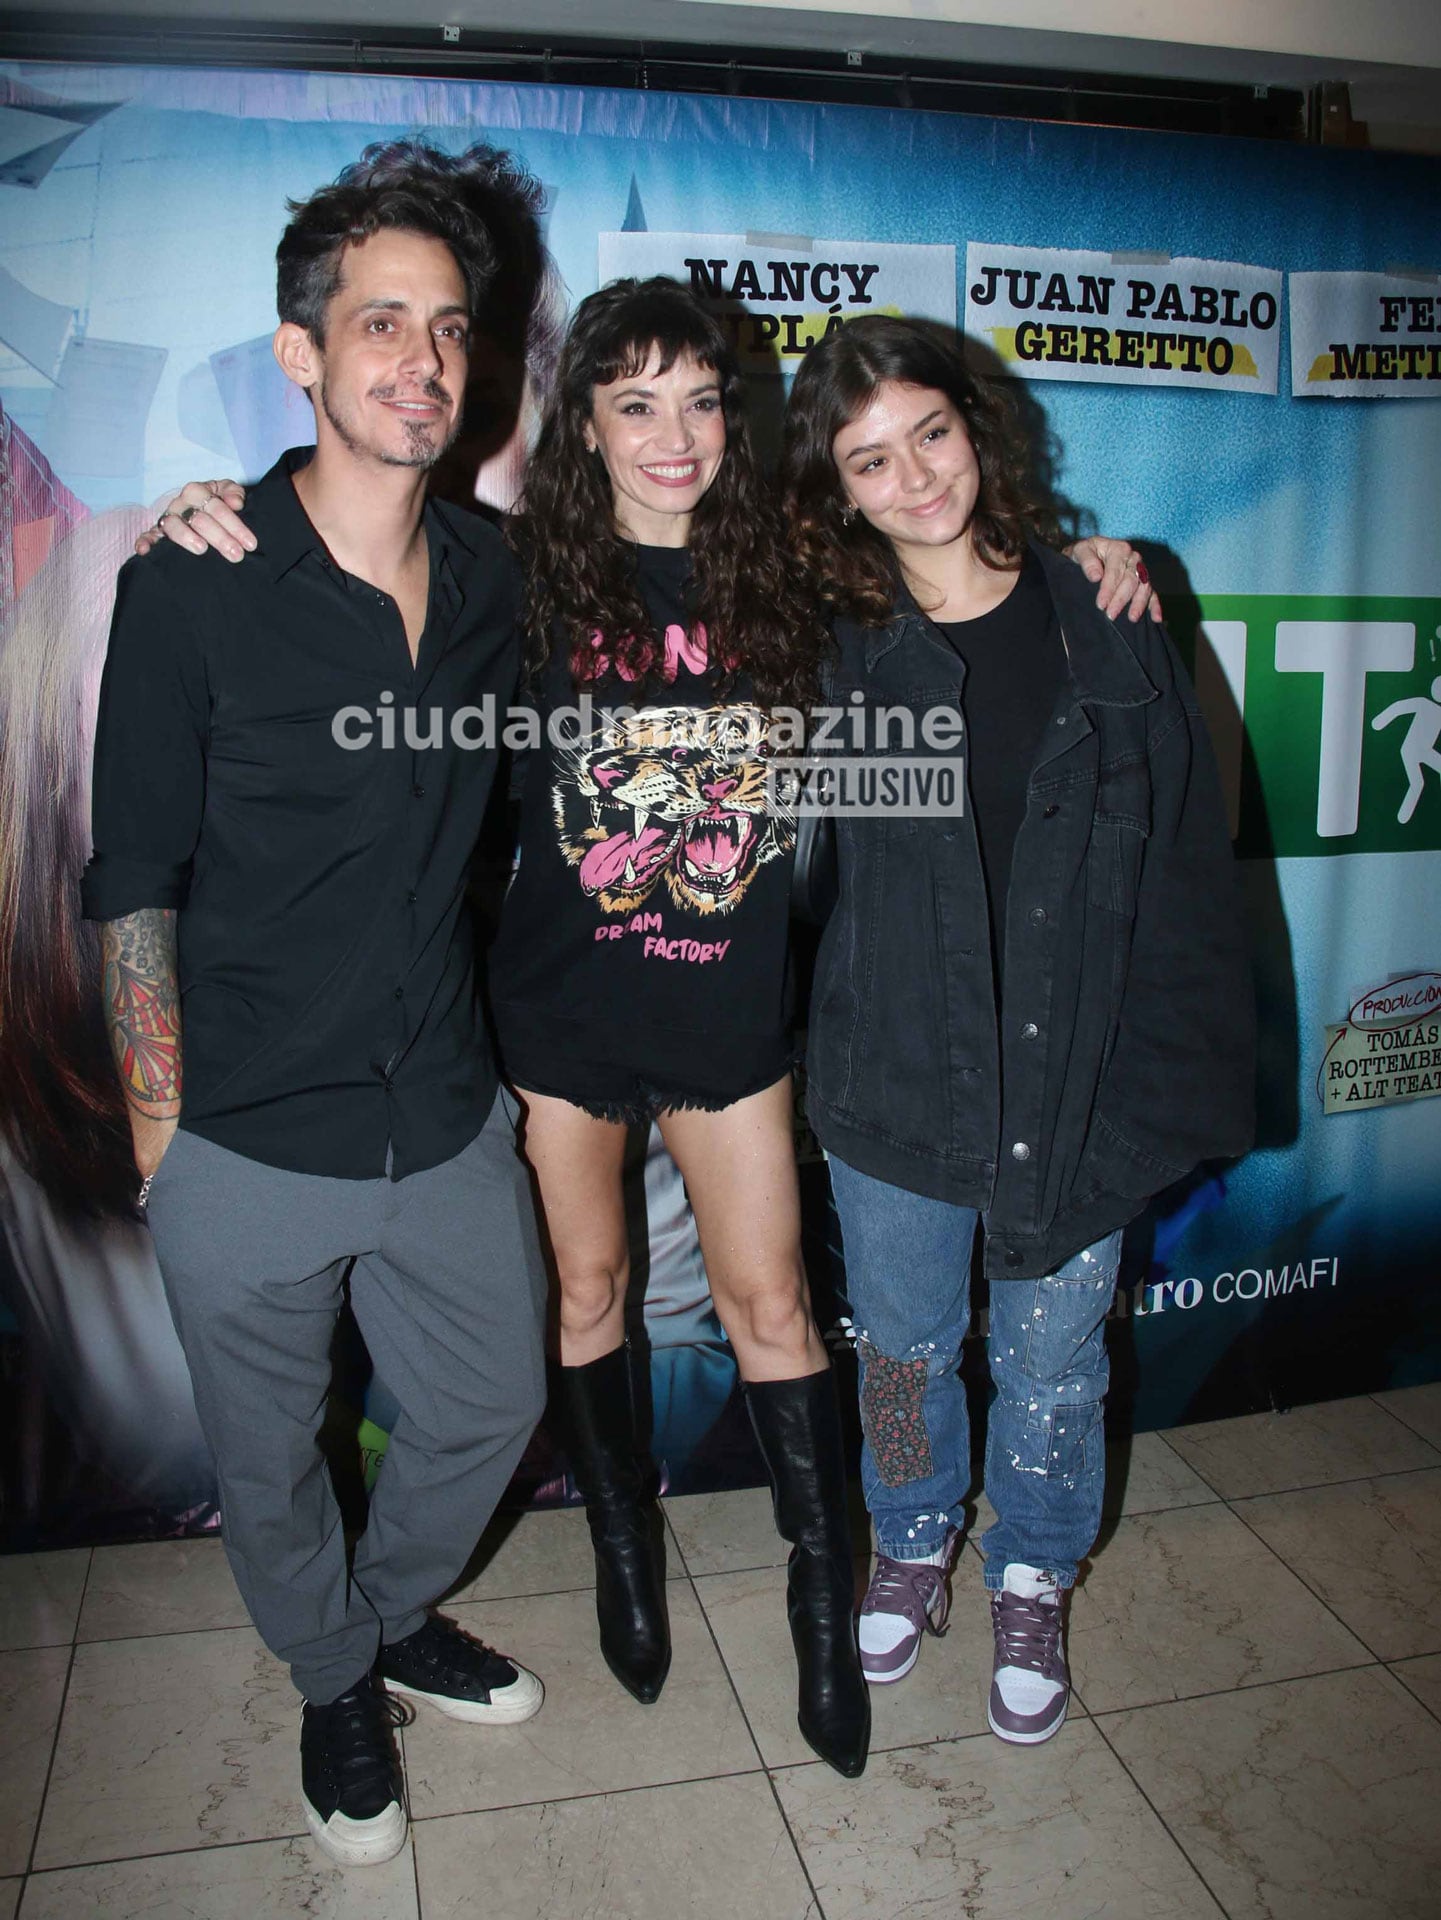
(906, 1587)
(357, 1738)
(1028, 1633)
(452, 1655)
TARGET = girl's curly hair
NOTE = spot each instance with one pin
(580, 575)
(854, 566)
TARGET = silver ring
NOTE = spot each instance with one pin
(187, 514)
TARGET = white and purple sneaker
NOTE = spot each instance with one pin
(905, 1599)
(1030, 1681)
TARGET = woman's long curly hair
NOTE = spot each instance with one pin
(854, 566)
(579, 569)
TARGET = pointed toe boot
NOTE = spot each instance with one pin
(599, 1434)
(797, 1423)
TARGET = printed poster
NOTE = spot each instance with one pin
(1365, 336)
(1132, 319)
(780, 294)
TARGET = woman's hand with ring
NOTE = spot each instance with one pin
(201, 516)
(1121, 576)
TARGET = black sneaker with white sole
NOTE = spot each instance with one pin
(350, 1776)
(444, 1666)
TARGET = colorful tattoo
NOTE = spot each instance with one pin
(142, 1009)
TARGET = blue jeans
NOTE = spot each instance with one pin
(908, 1273)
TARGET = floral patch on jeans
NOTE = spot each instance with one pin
(893, 1415)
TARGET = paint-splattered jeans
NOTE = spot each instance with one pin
(908, 1271)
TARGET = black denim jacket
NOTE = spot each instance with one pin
(1125, 1053)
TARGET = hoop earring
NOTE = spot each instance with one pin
(848, 513)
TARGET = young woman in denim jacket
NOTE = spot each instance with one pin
(1027, 1017)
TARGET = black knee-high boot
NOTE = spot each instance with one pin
(799, 1428)
(599, 1436)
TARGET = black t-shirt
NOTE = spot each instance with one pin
(1015, 670)
(641, 958)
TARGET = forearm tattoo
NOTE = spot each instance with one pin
(142, 1009)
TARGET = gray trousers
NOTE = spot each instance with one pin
(448, 1288)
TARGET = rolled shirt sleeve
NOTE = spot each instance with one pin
(148, 788)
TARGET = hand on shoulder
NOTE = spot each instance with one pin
(204, 514)
(1119, 571)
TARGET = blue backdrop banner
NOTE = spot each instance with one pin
(1171, 310)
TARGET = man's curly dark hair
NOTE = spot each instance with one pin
(519, 310)
(408, 196)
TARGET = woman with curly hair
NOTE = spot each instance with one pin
(1029, 1016)
(640, 969)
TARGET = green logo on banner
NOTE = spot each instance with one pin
(1326, 714)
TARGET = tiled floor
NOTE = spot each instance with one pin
(1257, 1725)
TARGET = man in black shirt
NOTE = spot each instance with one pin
(332, 1097)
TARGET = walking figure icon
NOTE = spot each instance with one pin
(1419, 747)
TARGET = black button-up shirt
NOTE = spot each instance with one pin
(326, 957)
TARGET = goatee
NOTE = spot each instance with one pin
(423, 446)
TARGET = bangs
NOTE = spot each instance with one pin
(629, 358)
(655, 323)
